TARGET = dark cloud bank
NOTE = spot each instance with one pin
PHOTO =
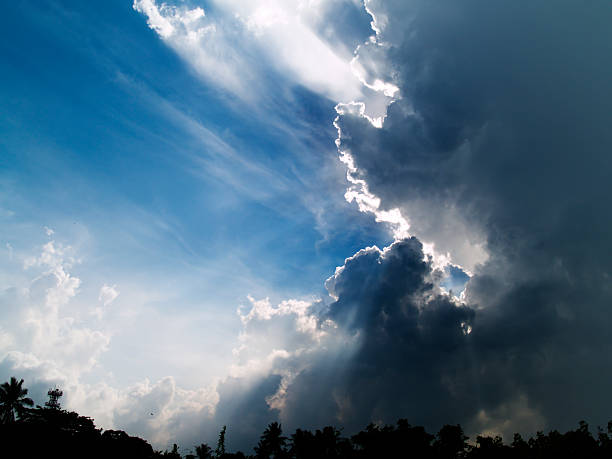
(502, 137)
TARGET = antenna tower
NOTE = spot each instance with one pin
(54, 396)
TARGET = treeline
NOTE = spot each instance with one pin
(406, 441)
(50, 431)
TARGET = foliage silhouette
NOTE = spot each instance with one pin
(13, 400)
(220, 451)
(174, 454)
(204, 451)
(325, 443)
(53, 432)
(272, 444)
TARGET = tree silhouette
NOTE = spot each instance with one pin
(204, 451)
(174, 454)
(220, 451)
(450, 442)
(520, 446)
(54, 432)
(272, 443)
(489, 447)
(412, 439)
(327, 442)
(302, 444)
(604, 440)
(13, 400)
(371, 442)
(323, 444)
(114, 443)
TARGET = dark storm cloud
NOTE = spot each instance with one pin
(505, 114)
(421, 354)
(410, 340)
(503, 128)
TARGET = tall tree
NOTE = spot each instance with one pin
(13, 400)
(220, 451)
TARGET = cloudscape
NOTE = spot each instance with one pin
(233, 212)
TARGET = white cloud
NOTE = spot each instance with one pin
(45, 329)
(55, 258)
(274, 332)
(236, 49)
(204, 45)
(285, 340)
(44, 338)
(281, 28)
(108, 294)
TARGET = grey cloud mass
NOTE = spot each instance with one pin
(409, 339)
(503, 124)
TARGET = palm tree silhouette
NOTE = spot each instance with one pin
(13, 400)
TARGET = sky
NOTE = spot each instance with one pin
(233, 212)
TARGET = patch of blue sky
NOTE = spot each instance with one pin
(159, 180)
(455, 279)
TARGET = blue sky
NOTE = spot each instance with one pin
(235, 212)
(103, 124)
(109, 132)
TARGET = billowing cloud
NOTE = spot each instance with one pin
(45, 339)
(404, 331)
(41, 328)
